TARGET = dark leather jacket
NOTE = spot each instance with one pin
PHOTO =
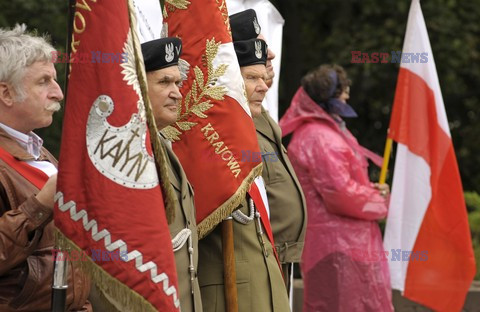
(26, 243)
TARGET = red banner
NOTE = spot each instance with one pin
(214, 133)
(109, 198)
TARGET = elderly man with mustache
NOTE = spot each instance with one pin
(29, 95)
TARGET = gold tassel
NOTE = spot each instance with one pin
(121, 294)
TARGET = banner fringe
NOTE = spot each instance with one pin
(121, 294)
(226, 209)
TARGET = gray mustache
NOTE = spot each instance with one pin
(53, 107)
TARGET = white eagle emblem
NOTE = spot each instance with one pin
(256, 26)
(169, 52)
(258, 49)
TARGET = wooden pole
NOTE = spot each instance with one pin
(229, 272)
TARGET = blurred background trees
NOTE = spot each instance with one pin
(326, 31)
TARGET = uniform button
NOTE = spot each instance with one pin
(40, 215)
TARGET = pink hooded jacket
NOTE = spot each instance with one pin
(344, 266)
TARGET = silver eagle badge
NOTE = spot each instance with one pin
(169, 53)
(258, 49)
(256, 26)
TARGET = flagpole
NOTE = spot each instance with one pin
(68, 48)
(60, 276)
(60, 281)
(158, 150)
(386, 158)
(230, 274)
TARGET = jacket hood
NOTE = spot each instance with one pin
(304, 110)
(301, 111)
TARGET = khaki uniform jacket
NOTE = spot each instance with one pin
(288, 209)
(184, 218)
(260, 285)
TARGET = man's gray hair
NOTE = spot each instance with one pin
(18, 50)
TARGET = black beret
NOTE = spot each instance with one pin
(244, 25)
(161, 53)
(251, 52)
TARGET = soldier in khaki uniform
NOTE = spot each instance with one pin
(163, 79)
(260, 284)
(285, 195)
(288, 210)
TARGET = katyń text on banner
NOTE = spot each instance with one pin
(427, 209)
(109, 196)
(214, 117)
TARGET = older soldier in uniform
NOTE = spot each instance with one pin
(288, 214)
(29, 95)
(163, 79)
(260, 284)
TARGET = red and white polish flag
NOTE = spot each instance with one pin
(427, 214)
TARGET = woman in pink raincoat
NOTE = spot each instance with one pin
(343, 264)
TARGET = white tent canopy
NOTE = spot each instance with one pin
(149, 19)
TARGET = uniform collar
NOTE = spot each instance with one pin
(265, 125)
(172, 161)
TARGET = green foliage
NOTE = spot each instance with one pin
(474, 221)
(476, 252)
(472, 199)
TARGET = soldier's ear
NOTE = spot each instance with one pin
(7, 95)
